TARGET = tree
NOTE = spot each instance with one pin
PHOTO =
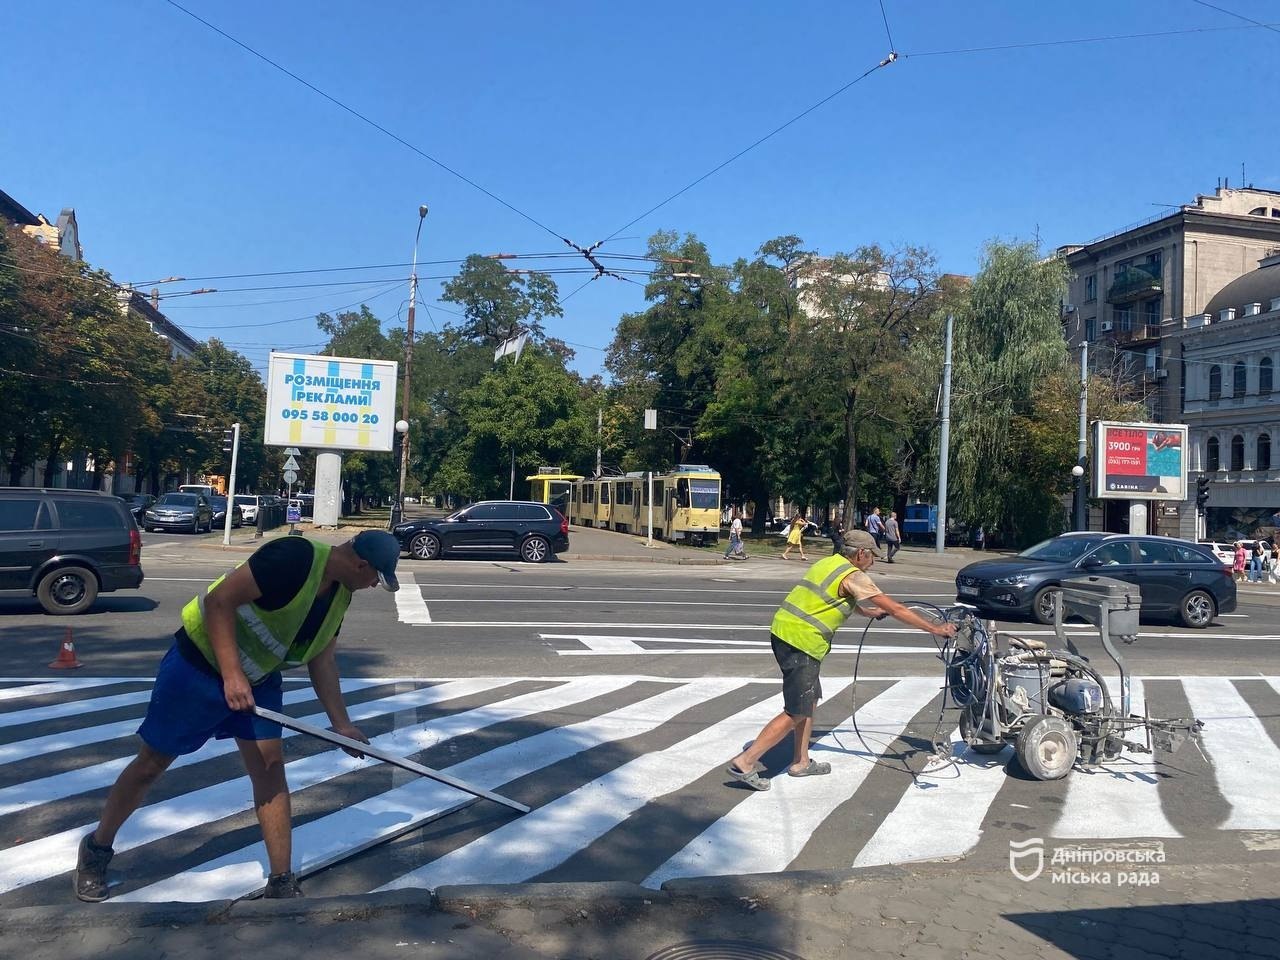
(499, 304)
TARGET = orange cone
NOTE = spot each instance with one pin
(66, 655)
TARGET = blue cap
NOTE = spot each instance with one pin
(381, 551)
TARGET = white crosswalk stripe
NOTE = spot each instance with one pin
(595, 757)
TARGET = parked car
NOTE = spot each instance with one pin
(1224, 551)
(1177, 578)
(179, 511)
(533, 530)
(64, 547)
(219, 507)
(138, 504)
(248, 504)
(780, 525)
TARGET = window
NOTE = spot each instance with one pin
(1187, 555)
(1154, 263)
(1151, 551)
(1091, 329)
(1215, 384)
(604, 492)
(19, 514)
(1263, 460)
(1110, 554)
(1091, 287)
(1123, 316)
(1212, 460)
(1151, 312)
(1237, 452)
(1264, 376)
(1238, 379)
(531, 511)
(88, 515)
(483, 511)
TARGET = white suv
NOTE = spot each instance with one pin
(1226, 551)
(248, 504)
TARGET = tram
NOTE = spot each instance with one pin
(552, 486)
(686, 504)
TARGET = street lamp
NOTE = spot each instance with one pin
(1080, 521)
(397, 508)
(408, 361)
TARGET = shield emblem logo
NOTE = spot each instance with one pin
(1026, 858)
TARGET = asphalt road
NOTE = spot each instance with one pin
(607, 696)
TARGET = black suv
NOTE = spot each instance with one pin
(66, 546)
(533, 530)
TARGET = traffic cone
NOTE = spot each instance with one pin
(66, 654)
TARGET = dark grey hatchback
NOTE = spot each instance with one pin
(533, 530)
(1178, 579)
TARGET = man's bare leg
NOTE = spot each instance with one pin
(774, 732)
(264, 762)
(803, 729)
(128, 792)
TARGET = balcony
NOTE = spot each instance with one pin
(1134, 283)
(1139, 334)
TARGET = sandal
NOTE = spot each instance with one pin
(751, 779)
(814, 769)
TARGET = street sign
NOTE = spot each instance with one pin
(291, 464)
(290, 476)
(292, 452)
(293, 515)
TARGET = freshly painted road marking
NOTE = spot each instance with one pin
(410, 606)
(797, 807)
(1245, 759)
(1120, 798)
(55, 686)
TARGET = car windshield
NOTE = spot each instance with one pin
(177, 500)
(1060, 549)
(247, 501)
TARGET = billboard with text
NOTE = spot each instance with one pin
(330, 403)
(1139, 461)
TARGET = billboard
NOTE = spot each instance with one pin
(333, 403)
(1139, 461)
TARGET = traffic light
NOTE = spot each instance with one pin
(1202, 491)
(228, 438)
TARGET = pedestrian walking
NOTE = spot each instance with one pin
(735, 550)
(979, 538)
(875, 526)
(795, 537)
(892, 536)
(802, 630)
(280, 609)
(1237, 566)
(1267, 571)
(1255, 562)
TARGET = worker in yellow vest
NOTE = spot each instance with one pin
(802, 631)
(279, 609)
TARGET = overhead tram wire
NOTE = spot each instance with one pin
(887, 32)
(1106, 38)
(364, 119)
(1239, 16)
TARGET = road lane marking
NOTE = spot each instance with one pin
(549, 835)
(736, 840)
(1246, 761)
(1120, 798)
(410, 606)
(54, 686)
(337, 836)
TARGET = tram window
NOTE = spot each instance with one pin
(644, 496)
(589, 494)
(705, 494)
(682, 492)
(604, 493)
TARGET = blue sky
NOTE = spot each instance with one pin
(184, 155)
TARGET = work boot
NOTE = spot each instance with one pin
(282, 886)
(91, 870)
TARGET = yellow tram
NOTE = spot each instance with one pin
(552, 486)
(686, 504)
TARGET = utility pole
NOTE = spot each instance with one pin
(398, 510)
(944, 446)
(233, 437)
(599, 435)
(1082, 449)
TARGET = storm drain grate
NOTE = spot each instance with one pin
(722, 950)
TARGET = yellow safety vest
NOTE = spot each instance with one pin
(814, 610)
(264, 636)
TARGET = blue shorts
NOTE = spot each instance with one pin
(188, 707)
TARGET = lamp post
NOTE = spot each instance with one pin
(1079, 521)
(398, 510)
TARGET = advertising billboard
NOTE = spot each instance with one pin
(1139, 461)
(330, 403)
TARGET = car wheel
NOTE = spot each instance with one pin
(1048, 748)
(535, 550)
(1197, 609)
(1043, 603)
(425, 546)
(67, 590)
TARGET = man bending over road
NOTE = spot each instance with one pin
(280, 609)
(802, 631)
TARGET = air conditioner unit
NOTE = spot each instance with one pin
(1108, 326)
(1068, 308)
(1162, 374)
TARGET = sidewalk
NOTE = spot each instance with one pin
(934, 911)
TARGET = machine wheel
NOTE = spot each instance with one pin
(966, 730)
(425, 546)
(535, 550)
(67, 590)
(1042, 604)
(1048, 748)
(1197, 609)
